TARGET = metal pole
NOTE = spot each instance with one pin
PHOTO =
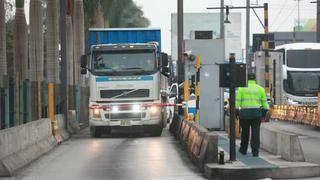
(274, 81)
(266, 49)
(247, 30)
(180, 65)
(51, 106)
(180, 41)
(64, 99)
(222, 19)
(198, 66)
(232, 108)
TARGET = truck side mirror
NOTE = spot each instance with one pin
(83, 63)
(165, 71)
(83, 71)
(164, 59)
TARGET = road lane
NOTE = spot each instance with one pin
(132, 158)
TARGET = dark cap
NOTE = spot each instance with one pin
(251, 76)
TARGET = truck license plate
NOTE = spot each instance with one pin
(125, 123)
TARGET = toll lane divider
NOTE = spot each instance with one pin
(201, 145)
(21, 145)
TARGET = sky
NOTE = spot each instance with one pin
(282, 14)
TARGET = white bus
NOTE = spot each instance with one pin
(296, 77)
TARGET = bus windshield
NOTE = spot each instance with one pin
(303, 58)
(303, 83)
(123, 63)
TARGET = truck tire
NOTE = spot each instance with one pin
(95, 132)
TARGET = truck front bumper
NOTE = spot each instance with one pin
(95, 122)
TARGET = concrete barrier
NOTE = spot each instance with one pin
(282, 143)
(74, 126)
(21, 145)
(201, 146)
(62, 133)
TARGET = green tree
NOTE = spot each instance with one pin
(116, 13)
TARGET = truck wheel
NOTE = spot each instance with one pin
(95, 132)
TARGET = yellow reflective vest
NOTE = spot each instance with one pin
(251, 97)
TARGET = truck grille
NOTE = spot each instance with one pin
(119, 116)
(125, 93)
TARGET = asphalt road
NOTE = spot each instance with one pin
(114, 158)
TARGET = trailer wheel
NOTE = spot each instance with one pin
(95, 132)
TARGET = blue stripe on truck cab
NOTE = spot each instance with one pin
(124, 78)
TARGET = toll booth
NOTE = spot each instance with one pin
(211, 95)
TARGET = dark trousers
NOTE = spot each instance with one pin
(245, 125)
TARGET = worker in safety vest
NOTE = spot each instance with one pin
(252, 106)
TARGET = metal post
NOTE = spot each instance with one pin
(186, 98)
(6, 110)
(21, 102)
(247, 30)
(180, 40)
(77, 102)
(266, 49)
(51, 106)
(198, 66)
(17, 111)
(63, 91)
(222, 19)
(274, 81)
(28, 101)
(232, 108)
(180, 62)
(39, 87)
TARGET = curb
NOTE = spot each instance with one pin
(217, 172)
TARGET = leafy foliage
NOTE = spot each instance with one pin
(118, 13)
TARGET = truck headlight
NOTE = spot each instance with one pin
(115, 109)
(96, 113)
(136, 108)
(155, 111)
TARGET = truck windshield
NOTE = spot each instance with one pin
(303, 83)
(303, 58)
(123, 63)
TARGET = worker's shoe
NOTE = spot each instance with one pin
(242, 152)
(255, 154)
